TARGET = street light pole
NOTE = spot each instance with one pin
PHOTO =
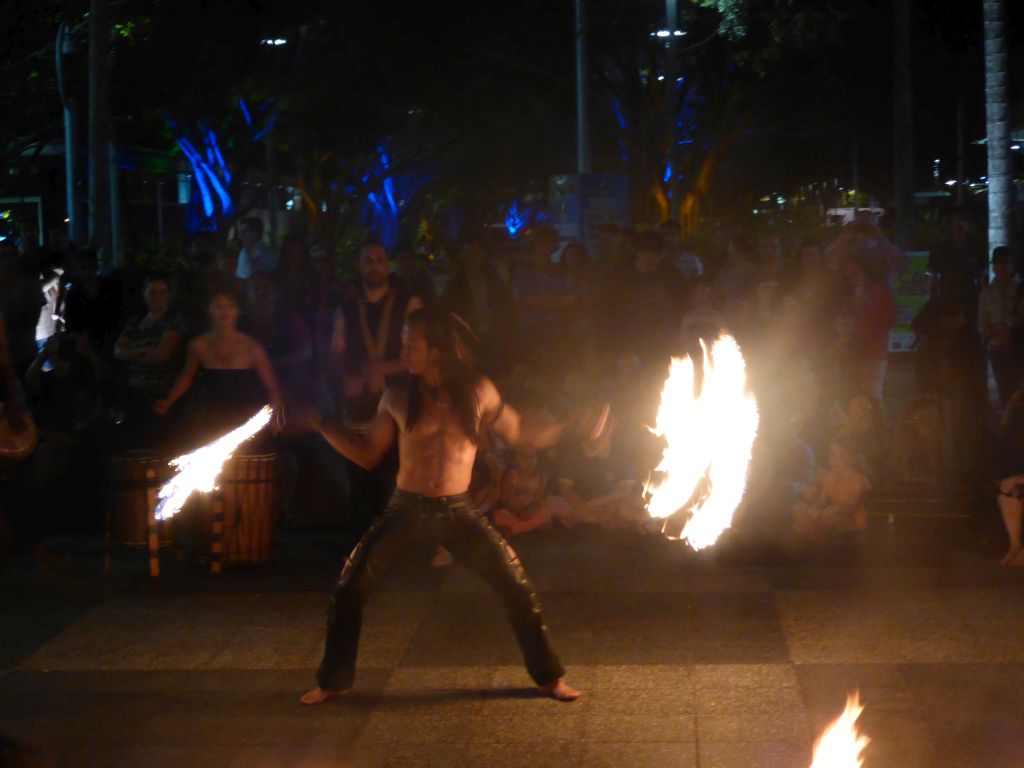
(64, 46)
(672, 100)
(582, 129)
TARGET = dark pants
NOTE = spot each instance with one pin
(369, 491)
(1006, 371)
(412, 522)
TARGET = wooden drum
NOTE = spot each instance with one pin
(246, 507)
(136, 479)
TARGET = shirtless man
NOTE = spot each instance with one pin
(436, 419)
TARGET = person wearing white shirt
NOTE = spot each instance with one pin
(256, 255)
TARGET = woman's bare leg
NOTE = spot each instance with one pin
(1013, 512)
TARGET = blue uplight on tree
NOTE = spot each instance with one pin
(390, 195)
(514, 221)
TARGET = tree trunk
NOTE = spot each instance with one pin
(99, 128)
(903, 124)
(997, 113)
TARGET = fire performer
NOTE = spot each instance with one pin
(436, 416)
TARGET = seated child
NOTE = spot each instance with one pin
(835, 500)
(860, 426)
(522, 504)
(595, 490)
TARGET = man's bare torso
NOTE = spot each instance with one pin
(436, 457)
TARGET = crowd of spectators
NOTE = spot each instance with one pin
(115, 359)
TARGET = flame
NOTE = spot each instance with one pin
(840, 745)
(199, 470)
(712, 434)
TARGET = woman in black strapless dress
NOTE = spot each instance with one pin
(230, 370)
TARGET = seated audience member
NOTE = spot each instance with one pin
(860, 426)
(835, 501)
(233, 371)
(596, 491)
(1010, 471)
(151, 346)
(522, 505)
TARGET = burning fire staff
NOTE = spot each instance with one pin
(436, 418)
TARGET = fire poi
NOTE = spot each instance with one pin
(199, 470)
(840, 744)
(708, 436)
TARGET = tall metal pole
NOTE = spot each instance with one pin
(582, 128)
(64, 46)
(903, 123)
(99, 127)
(997, 118)
(160, 212)
(856, 175)
(961, 175)
(115, 207)
(672, 100)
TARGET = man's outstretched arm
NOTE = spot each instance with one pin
(535, 430)
(366, 449)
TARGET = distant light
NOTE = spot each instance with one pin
(1015, 146)
(678, 33)
(780, 200)
(951, 183)
(661, 77)
(661, 33)
(984, 178)
(274, 41)
(937, 160)
(67, 221)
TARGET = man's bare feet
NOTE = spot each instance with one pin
(1012, 555)
(560, 690)
(319, 696)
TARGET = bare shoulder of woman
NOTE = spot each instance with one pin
(200, 345)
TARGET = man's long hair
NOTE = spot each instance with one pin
(450, 335)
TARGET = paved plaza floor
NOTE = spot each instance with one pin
(721, 659)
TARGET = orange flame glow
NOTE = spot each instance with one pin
(711, 434)
(199, 470)
(840, 744)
